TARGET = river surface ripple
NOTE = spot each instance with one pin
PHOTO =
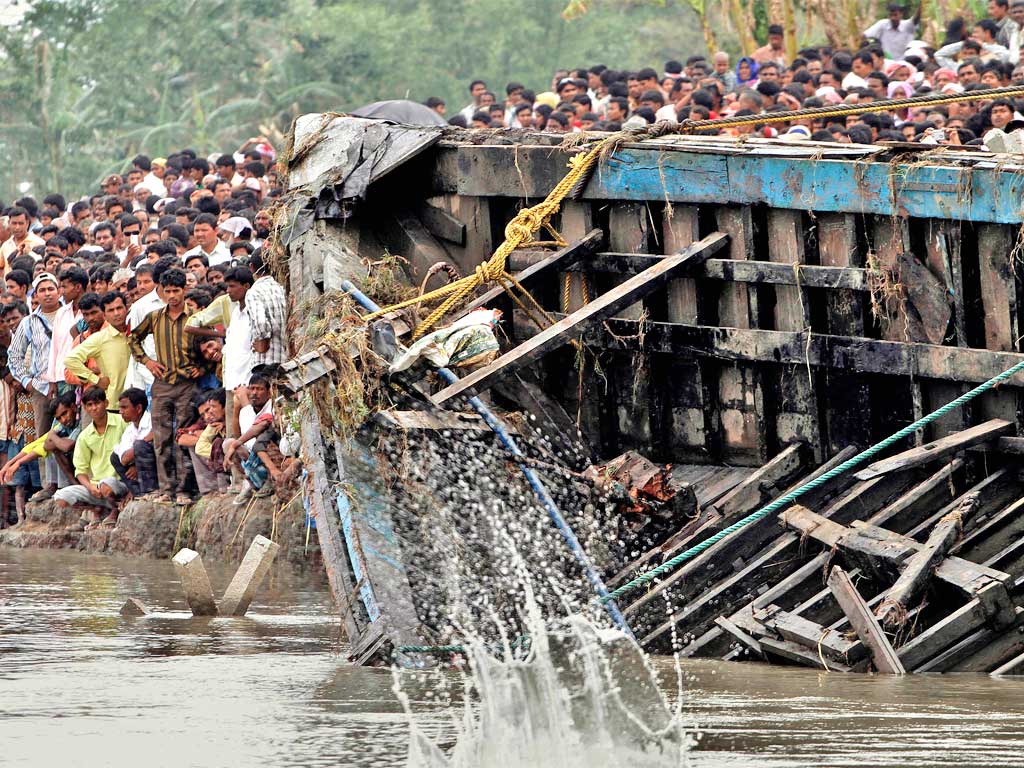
(81, 686)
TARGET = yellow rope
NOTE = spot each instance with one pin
(519, 232)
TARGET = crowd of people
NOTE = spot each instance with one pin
(141, 331)
(891, 62)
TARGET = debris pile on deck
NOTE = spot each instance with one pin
(931, 538)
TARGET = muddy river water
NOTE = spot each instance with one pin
(81, 686)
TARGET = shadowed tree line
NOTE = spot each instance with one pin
(87, 84)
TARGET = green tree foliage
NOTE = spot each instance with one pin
(87, 84)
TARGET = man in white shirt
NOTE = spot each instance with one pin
(134, 459)
(254, 419)
(895, 32)
(150, 301)
(205, 231)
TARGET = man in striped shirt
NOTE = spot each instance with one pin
(266, 306)
(29, 359)
(174, 376)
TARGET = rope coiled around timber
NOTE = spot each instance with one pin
(520, 231)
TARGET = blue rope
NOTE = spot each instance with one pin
(817, 482)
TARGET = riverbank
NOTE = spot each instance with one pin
(213, 526)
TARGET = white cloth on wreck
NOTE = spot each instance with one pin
(464, 339)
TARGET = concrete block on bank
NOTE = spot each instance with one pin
(248, 577)
(134, 607)
(195, 582)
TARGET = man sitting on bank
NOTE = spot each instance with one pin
(100, 486)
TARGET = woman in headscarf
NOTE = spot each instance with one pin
(746, 71)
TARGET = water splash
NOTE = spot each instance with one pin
(489, 569)
(575, 696)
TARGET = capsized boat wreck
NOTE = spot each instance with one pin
(750, 315)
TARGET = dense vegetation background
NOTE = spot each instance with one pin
(86, 84)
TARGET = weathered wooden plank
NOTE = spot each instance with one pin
(938, 449)
(790, 651)
(583, 390)
(864, 623)
(914, 577)
(847, 406)
(747, 640)
(839, 352)
(321, 493)
(683, 426)
(600, 309)
(680, 227)
(942, 247)
(994, 491)
(739, 418)
(994, 534)
(908, 510)
(942, 634)
(843, 279)
(797, 629)
(763, 485)
(407, 237)
(1014, 666)
(629, 230)
(1000, 646)
(999, 301)
(796, 405)
(441, 223)
(652, 173)
(545, 269)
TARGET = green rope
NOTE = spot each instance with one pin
(817, 482)
(430, 649)
(521, 641)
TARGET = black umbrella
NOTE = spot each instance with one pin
(401, 111)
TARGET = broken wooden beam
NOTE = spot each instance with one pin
(746, 640)
(559, 261)
(602, 308)
(251, 572)
(937, 449)
(843, 353)
(918, 570)
(864, 624)
(824, 641)
(760, 272)
(1014, 666)
(794, 652)
(195, 582)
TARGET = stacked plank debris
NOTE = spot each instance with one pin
(932, 539)
(752, 313)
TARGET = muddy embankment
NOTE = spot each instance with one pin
(213, 526)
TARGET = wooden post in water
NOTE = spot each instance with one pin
(195, 582)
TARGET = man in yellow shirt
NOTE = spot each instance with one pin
(107, 347)
(59, 441)
(100, 485)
